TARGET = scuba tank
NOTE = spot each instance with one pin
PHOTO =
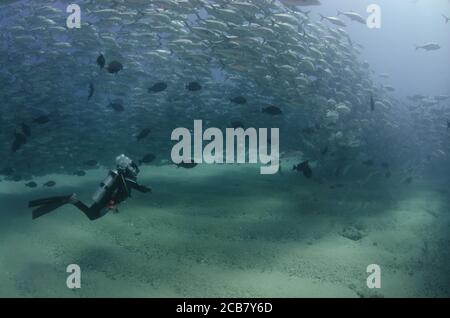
(105, 187)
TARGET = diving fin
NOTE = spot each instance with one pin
(46, 201)
(47, 205)
(47, 209)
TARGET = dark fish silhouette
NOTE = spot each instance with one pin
(49, 184)
(448, 124)
(91, 90)
(324, 151)
(114, 67)
(272, 110)
(240, 100)
(305, 168)
(80, 173)
(16, 178)
(368, 163)
(101, 61)
(372, 104)
(186, 165)
(26, 129)
(117, 105)
(41, 120)
(144, 133)
(385, 165)
(158, 87)
(193, 86)
(147, 158)
(19, 140)
(31, 184)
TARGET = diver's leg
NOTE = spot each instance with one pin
(93, 212)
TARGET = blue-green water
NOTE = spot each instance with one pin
(362, 114)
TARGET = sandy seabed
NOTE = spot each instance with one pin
(227, 231)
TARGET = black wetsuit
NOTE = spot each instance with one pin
(118, 192)
(122, 182)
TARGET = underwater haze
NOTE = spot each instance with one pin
(360, 103)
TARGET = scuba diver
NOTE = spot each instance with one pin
(115, 189)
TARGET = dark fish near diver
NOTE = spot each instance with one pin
(41, 120)
(144, 133)
(324, 151)
(305, 168)
(372, 104)
(31, 184)
(448, 124)
(91, 90)
(385, 165)
(240, 100)
(114, 67)
(158, 87)
(49, 184)
(193, 86)
(186, 165)
(147, 158)
(368, 163)
(101, 61)
(272, 110)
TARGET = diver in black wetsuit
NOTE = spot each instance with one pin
(115, 189)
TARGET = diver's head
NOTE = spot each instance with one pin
(126, 165)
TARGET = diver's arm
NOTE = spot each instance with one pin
(134, 185)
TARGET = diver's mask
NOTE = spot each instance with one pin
(126, 165)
